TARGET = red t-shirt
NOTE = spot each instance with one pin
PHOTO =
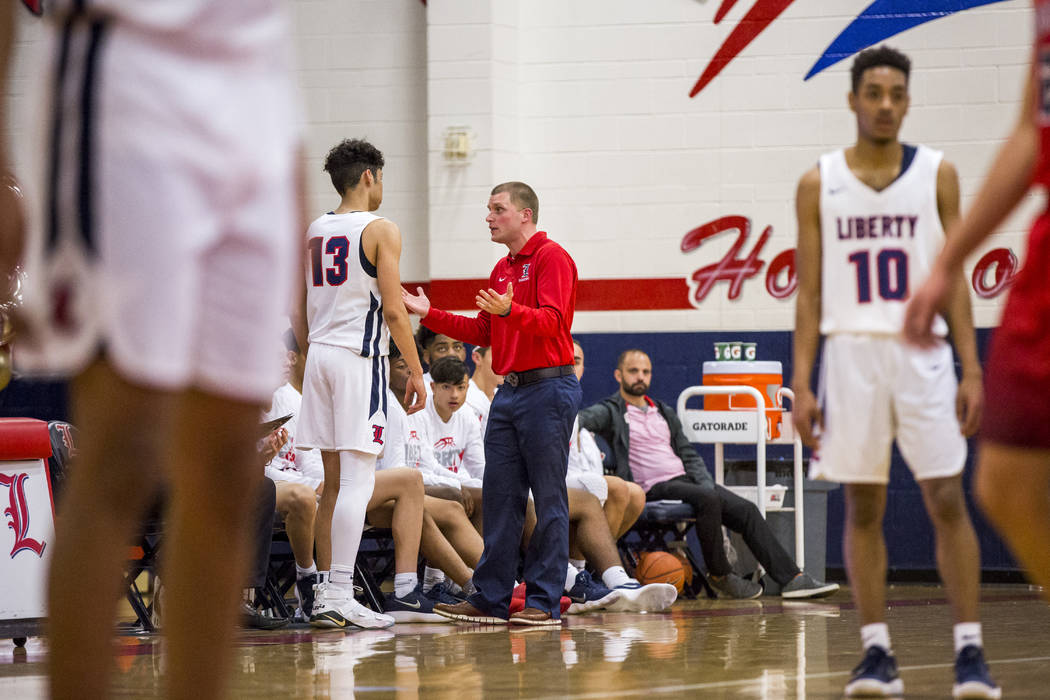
(537, 332)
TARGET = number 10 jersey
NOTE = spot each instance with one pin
(343, 305)
(877, 246)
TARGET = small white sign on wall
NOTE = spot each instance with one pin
(27, 508)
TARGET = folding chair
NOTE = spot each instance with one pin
(664, 526)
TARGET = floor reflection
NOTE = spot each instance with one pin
(765, 649)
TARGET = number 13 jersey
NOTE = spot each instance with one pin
(877, 246)
(343, 305)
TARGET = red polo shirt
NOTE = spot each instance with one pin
(537, 332)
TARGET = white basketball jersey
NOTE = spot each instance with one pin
(241, 29)
(343, 305)
(877, 247)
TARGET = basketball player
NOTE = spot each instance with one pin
(525, 317)
(158, 275)
(353, 306)
(483, 385)
(1013, 464)
(623, 501)
(871, 218)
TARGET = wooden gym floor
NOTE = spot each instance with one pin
(766, 649)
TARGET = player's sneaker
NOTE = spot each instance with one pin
(733, 586)
(875, 676)
(587, 594)
(335, 609)
(413, 607)
(638, 597)
(304, 596)
(805, 586)
(440, 593)
(972, 679)
(252, 616)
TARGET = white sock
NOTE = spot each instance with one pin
(570, 576)
(357, 477)
(341, 578)
(877, 634)
(580, 564)
(615, 576)
(432, 577)
(966, 634)
(453, 587)
(469, 589)
(405, 584)
(301, 573)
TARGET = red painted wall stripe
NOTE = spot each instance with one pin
(591, 295)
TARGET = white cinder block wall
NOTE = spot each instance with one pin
(588, 100)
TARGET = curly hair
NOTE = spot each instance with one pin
(348, 160)
(881, 56)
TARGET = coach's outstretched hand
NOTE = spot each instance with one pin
(417, 304)
(493, 302)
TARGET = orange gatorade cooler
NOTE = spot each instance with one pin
(766, 376)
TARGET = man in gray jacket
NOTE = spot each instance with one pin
(650, 448)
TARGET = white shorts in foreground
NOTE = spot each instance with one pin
(875, 389)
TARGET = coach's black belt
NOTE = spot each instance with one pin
(531, 376)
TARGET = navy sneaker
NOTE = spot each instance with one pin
(972, 679)
(441, 594)
(587, 594)
(413, 607)
(304, 596)
(875, 676)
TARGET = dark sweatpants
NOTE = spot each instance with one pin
(526, 447)
(265, 502)
(716, 506)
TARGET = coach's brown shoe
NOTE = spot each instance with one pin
(534, 617)
(465, 612)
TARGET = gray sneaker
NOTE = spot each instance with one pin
(805, 586)
(734, 586)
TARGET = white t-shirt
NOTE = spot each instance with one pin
(452, 448)
(478, 402)
(584, 455)
(291, 464)
(406, 446)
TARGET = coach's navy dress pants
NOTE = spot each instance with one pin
(526, 446)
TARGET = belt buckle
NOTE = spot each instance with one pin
(512, 379)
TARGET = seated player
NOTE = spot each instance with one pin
(450, 541)
(298, 475)
(650, 448)
(622, 501)
(452, 437)
(395, 504)
(434, 346)
(482, 386)
(262, 533)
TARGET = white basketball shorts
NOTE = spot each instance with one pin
(594, 484)
(344, 401)
(167, 236)
(876, 388)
